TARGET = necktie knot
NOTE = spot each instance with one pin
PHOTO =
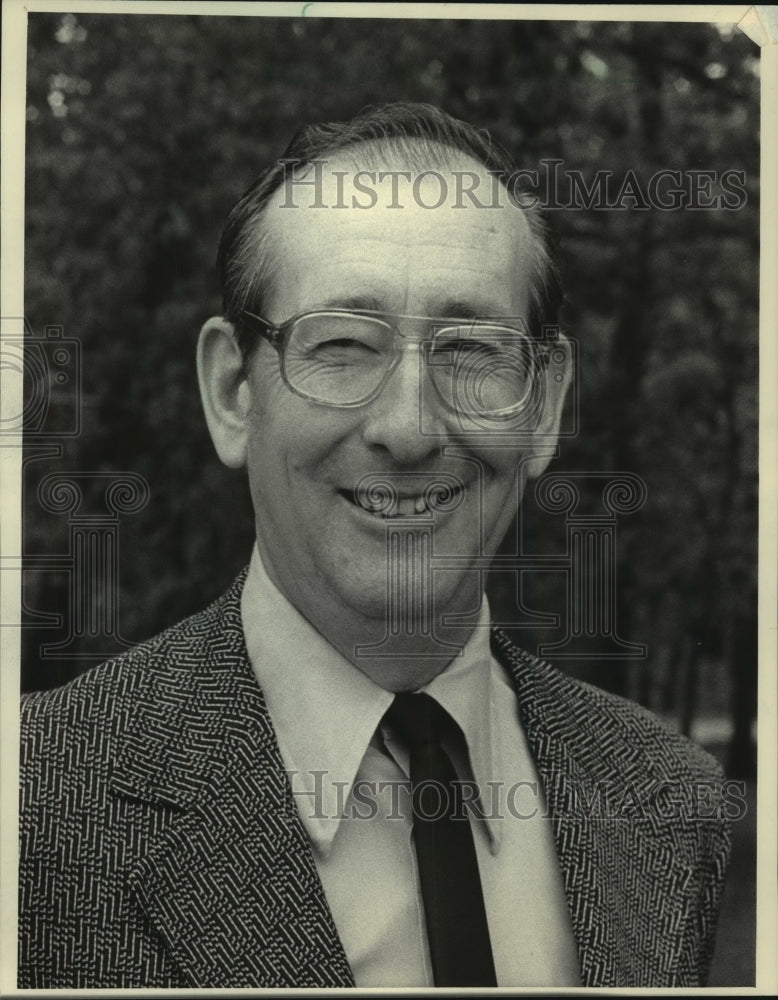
(417, 718)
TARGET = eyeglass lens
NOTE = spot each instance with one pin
(342, 359)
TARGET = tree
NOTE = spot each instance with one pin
(143, 130)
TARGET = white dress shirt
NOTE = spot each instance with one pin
(350, 779)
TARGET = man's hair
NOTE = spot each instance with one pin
(424, 137)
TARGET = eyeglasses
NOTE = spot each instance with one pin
(343, 358)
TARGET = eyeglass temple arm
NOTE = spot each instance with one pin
(543, 354)
(262, 327)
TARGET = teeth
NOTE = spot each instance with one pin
(404, 507)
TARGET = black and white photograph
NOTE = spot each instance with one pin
(381, 560)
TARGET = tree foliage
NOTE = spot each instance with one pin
(142, 132)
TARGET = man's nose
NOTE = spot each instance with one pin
(406, 419)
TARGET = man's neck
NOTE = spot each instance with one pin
(400, 652)
(397, 660)
(404, 662)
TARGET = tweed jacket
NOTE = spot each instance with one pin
(161, 847)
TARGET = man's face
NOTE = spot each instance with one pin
(322, 549)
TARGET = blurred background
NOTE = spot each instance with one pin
(142, 131)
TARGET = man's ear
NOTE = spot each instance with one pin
(224, 390)
(557, 377)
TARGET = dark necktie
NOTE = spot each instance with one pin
(458, 934)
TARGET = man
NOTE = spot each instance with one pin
(221, 806)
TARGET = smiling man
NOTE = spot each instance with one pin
(380, 311)
(336, 775)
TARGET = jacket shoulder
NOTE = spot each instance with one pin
(632, 723)
(611, 727)
(80, 837)
(103, 697)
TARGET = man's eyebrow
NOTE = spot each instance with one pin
(460, 309)
(368, 303)
(457, 309)
(446, 309)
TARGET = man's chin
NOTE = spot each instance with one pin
(369, 603)
(405, 602)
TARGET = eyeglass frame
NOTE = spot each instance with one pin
(276, 336)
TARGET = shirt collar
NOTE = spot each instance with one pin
(325, 711)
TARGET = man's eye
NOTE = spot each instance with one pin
(344, 347)
(466, 348)
(345, 342)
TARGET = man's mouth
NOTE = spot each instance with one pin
(383, 500)
(387, 506)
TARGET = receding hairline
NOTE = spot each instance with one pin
(411, 155)
(400, 153)
(401, 135)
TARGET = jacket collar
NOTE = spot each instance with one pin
(231, 882)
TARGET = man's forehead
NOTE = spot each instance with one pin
(409, 247)
(377, 186)
(384, 173)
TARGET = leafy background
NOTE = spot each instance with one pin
(143, 130)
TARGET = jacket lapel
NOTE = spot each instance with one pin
(626, 871)
(231, 884)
